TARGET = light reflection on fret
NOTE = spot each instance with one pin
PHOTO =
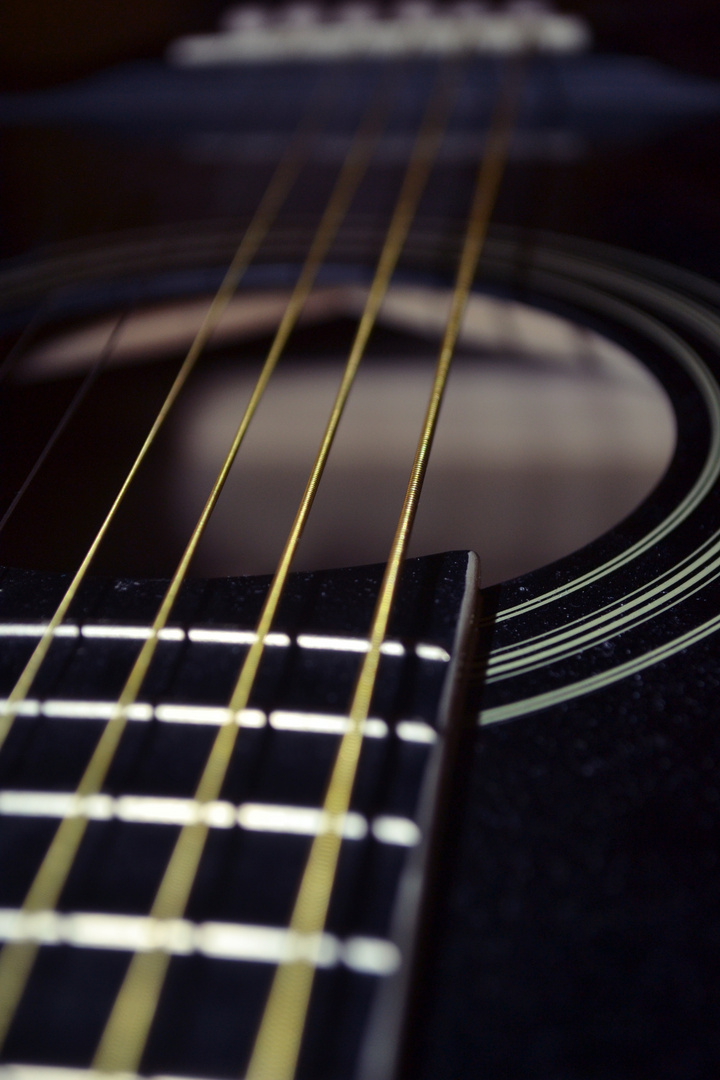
(236, 637)
(180, 937)
(360, 645)
(214, 636)
(13, 1071)
(431, 652)
(219, 814)
(92, 710)
(209, 714)
(416, 731)
(396, 830)
(323, 724)
(299, 820)
(36, 630)
(335, 644)
(131, 633)
(413, 731)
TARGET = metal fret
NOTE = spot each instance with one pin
(260, 826)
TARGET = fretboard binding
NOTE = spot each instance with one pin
(253, 817)
(414, 731)
(213, 636)
(19, 1071)
(180, 937)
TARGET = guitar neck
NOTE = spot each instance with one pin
(163, 819)
(235, 928)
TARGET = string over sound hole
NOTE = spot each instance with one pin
(550, 434)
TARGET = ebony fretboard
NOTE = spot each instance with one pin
(224, 951)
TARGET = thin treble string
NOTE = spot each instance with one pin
(128, 1026)
(77, 400)
(272, 200)
(17, 959)
(279, 1037)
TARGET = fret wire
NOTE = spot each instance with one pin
(123, 1041)
(270, 204)
(421, 161)
(77, 400)
(147, 972)
(346, 185)
(17, 958)
(279, 1036)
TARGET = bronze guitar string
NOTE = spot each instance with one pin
(67, 416)
(17, 959)
(279, 1037)
(270, 204)
(364, 330)
(127, 1029)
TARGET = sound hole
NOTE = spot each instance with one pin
(550, 434)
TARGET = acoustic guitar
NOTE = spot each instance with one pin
(323, 822)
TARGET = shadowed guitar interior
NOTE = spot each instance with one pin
(550, 434)
(222, 796)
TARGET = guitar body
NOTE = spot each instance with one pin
(569, 922)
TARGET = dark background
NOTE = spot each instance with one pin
(67, 180)
(57, 184)
(43, 42)
(529, 991)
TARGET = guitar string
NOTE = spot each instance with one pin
(277, 1045)
(127, 1029)
(270, 204)
(17, 959)
(72, 408)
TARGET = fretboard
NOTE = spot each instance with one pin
(234, 933)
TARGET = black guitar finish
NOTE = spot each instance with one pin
(573, 927)
(215, 994)
(581, 931)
